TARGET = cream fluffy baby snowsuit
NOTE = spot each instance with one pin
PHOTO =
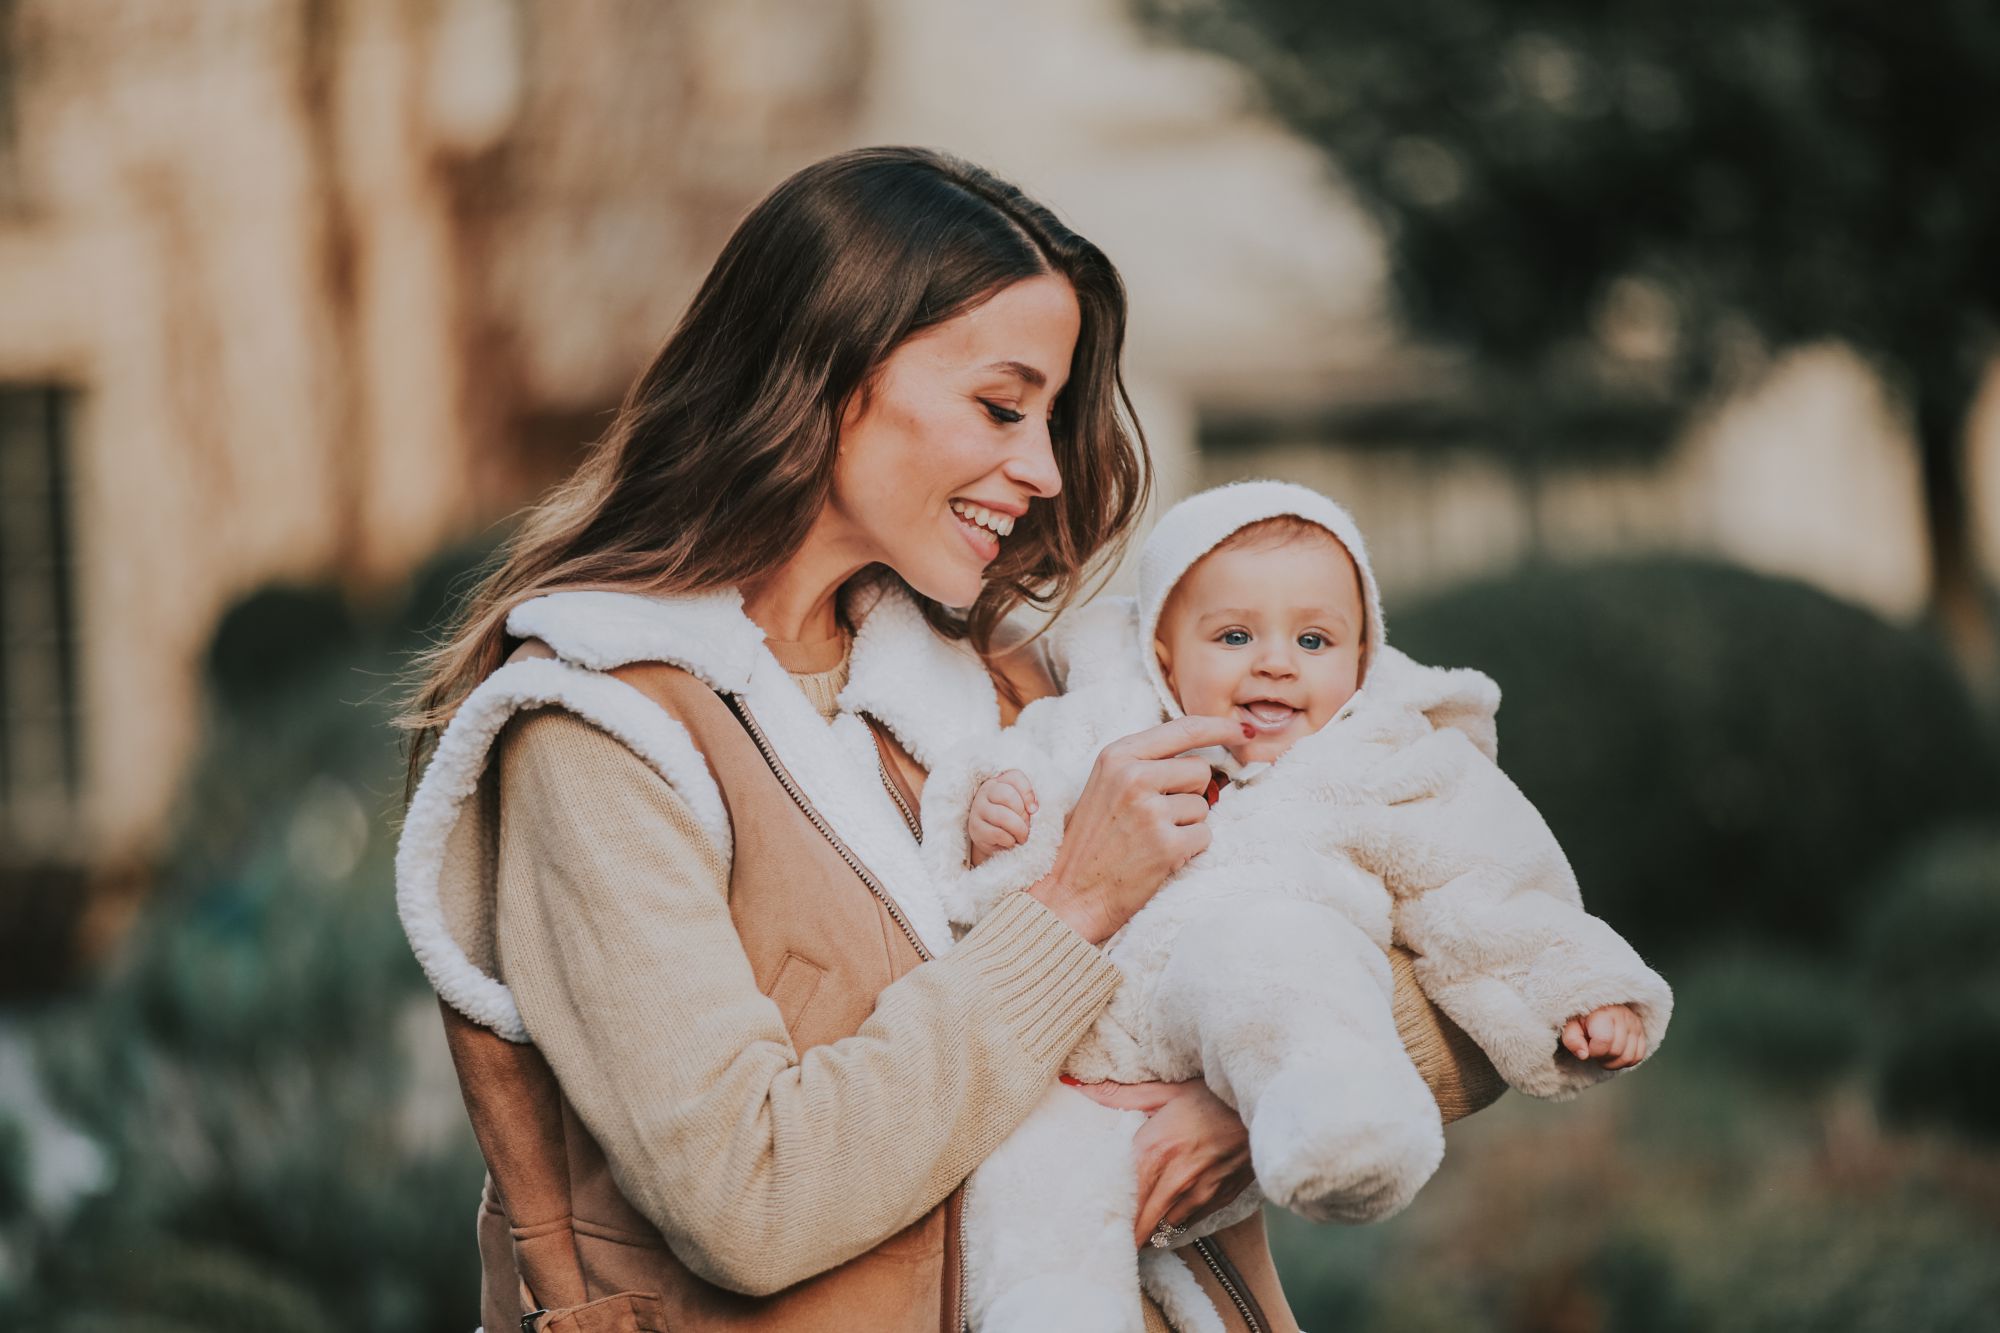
(1261, 965)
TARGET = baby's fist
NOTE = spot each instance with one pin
(1613, 1036)
(1001, 810)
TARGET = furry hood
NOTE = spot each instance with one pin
(1200, 523)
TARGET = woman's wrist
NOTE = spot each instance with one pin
(1074, 910)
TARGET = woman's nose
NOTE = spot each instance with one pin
(1033, 466)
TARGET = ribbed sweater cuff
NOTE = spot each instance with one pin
(1046, 981)
(1461, 1078)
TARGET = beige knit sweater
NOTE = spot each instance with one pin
(614, 933)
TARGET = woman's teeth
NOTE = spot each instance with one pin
(997, 524)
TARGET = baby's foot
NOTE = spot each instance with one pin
(1351, 1147)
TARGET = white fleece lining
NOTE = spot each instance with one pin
(933, 693)
(704, 633)
(453, 775)
(930, 693)
(1165, 1276)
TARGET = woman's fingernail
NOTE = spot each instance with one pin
(1065, 1078)
(1249, 732)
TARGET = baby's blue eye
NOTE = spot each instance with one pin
(1311, 641)
(1236, 638)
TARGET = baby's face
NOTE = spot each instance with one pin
(1269, 635)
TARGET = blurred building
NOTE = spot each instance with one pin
(303, 289)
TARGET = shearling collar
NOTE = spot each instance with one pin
(929, 692)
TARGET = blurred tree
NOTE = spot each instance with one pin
(1619, 203)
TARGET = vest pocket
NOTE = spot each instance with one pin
(793, 988)
(626, 1312)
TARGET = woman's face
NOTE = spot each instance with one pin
(952, 443)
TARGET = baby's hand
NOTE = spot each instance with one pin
(1001, 809)
(1613, 1036)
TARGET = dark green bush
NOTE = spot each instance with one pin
(168, 1286)
(1723, 754)
(13, 1169)
(1930, 950)
(271, 638)
(1780, 1019)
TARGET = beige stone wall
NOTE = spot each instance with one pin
(339, 280)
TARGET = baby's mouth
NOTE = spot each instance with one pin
(1267, 715)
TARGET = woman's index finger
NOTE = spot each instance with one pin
(1170, 739)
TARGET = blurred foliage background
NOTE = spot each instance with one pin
(234, 1111)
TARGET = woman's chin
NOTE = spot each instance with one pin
(950, 587)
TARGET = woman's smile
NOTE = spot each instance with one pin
(983, 527)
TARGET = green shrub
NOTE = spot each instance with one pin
(1930, 948)
(159, 1285)
(1723, 754)
(271, 638)
(1780, 1019)
(13, 1169)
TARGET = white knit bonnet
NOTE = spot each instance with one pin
(1200, 523)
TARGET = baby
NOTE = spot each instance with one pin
(1268, 628)
(1361, 807)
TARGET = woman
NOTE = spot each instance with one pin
(725, 1064)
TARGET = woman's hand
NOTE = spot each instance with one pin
(1141, 816)
(1193, 1151)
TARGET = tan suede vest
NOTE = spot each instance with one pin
(555, 1233)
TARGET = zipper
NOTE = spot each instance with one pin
(917, 831)
(958, 1319)
(778, 770)
(867, 877)
(1232, 1283)
(895, 792)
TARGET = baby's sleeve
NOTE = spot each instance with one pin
(1487, 901)
(1055, 741)
(1094, 653)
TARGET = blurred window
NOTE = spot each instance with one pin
(10, 69)
(40, 740)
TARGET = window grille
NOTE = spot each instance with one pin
(10, 74)
(40, 737)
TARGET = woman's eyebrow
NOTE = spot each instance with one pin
(1020, 370)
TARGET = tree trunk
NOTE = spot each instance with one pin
(1943, 410)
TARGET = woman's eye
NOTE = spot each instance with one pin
(1006, 416)
(1312, 642)
(1236, 638)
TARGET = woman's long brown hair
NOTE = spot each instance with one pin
(723, 452)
